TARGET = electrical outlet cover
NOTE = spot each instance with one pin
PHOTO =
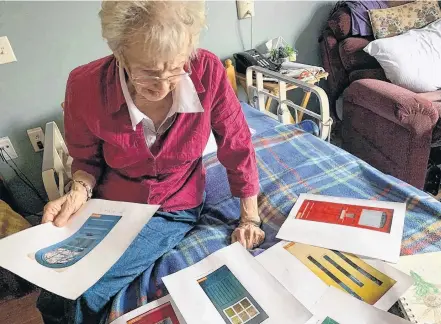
(6, 53)
(245, 9)
(6, 145)
(36, 136)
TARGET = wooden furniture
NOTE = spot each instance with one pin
(273, 88)
(231, 75)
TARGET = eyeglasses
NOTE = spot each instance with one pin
(148, 79)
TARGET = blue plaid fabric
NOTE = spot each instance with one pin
(291, 162)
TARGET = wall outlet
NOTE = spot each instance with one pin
(7, 149)
(36, 136)
(245, 9)
(6, 53)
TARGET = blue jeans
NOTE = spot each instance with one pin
(161, 234)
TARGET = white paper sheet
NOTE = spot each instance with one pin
(231, 283)
(162, 311)
(295, 273)
(344, 309)
(369, 241)
(300, 66)
(113, 225)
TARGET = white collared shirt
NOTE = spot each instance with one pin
(185, 100)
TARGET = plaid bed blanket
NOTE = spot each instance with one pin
(290, 162)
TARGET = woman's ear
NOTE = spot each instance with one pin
(119, 59)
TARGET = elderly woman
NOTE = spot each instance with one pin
(136, 124)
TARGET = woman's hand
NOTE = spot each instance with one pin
(60, 210)
(248, 233)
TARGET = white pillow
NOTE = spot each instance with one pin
(411, 60)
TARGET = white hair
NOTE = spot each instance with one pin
(168, 28)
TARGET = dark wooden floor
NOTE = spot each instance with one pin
(20, 311)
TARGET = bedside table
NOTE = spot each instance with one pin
(273, 88)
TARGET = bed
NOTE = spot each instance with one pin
(292, 159)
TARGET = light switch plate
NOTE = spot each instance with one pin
(6, 53)
(245, 9)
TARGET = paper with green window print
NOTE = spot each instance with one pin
(321, 320)
(329, 320)
(231, 299)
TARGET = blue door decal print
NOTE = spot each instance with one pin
(74, 248)
(233, 302)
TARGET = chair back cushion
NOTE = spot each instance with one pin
(398, 20)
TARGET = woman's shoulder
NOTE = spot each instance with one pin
(90, 71)
(205, 59)
(92, 87)
(208, 69)
(206, 55)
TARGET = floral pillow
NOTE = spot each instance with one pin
(397, 20)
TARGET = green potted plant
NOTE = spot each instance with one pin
(292, 53)
(274, 55)
(283, 54)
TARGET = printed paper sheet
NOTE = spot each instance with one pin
(307, 271)
(161, 311)
(364, 227)
(230, 286)
(68, 260)
(336, 307)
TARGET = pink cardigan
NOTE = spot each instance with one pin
(100, 138)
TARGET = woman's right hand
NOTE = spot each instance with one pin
(60, 210)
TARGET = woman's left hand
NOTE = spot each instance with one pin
(248, 234)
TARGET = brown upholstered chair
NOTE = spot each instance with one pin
(388, 126)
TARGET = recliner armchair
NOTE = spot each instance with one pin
(388, 126)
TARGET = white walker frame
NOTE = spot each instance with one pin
(258, 93)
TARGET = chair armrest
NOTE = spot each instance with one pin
(338, 78)
(394, 103)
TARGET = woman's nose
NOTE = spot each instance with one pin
(162, 85)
